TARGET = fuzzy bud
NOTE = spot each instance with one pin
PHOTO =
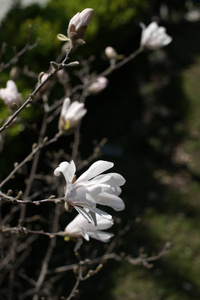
(110, 53)
(78, 24)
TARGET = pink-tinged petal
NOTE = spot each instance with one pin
(86, 16)
(96, 168)
(110, 200)
(73, 20)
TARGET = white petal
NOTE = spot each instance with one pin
(99, 212)
(96, 168)
(84, 198)
(113, 179)
(78, 244)
(73, 20)
(103, 223)
(71, 171)
(65, 107)
(67, 169)
(101, 236)
(85, 214)
(84, 234)
(61, 168)
(110, 200)
(70, 194)
(86, 16)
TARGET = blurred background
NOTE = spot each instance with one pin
(149, 114)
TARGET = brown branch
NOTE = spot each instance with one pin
(16, 57)
(57, 67)
(29, 157)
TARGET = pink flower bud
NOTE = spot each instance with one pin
(78, 24)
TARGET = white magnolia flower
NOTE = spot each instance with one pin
(99, 85)
(79, 23)
(71, 114)
(111, 53)
(154, 36)
(10, 94)
(91, 189)
(80, 227)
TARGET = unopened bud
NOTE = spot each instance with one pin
(19, 195)
(110, 53)
(40, 77)
(14, 73)
(34, 146)
(54, 65)
(73, 64)
(9, 192)
(45, 139)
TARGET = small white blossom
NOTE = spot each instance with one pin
(79, 227)
(154, 36)
(99, 85)
(91, 189)
(10, 94)
(71, 114)
(79, 23)
(110, 53)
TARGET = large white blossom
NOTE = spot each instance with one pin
(92, 188)
(71, 114)
(154, 36)
(79, 227)
(79, 23)
(10, 94)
